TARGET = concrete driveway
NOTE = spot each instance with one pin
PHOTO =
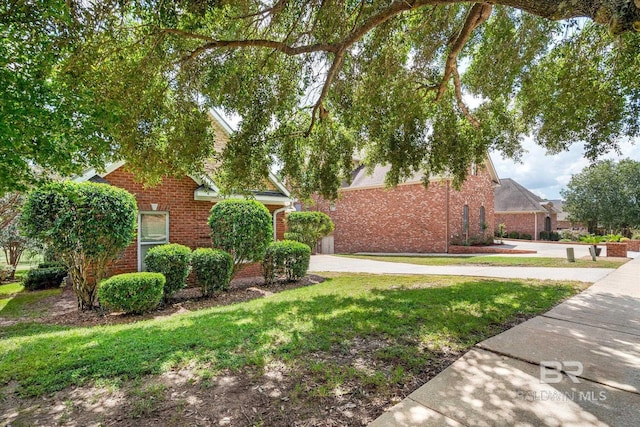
(353, 265)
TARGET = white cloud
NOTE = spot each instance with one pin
(545, 175)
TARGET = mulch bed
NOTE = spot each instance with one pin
(64, 310)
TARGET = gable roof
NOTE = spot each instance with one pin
(513, 197)
(360, 178)
(207, 189)
(558, 205)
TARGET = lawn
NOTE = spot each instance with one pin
(490, 260)
(15, 302)
(399, 325)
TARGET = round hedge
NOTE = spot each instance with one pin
(172, 260)
(212, 269)
(132, 292)
(286, 258)
(243, 228)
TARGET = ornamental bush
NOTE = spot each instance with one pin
(286, 258)
(514, 235)
(132, 292)
(242, 228)
(172, 260)
(87, 226)
(44, 278)
(308, 227)
(212, 269)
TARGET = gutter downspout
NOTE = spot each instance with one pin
(286, 208)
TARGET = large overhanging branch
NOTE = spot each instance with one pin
(620, 15)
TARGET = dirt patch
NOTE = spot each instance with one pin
(276, 395)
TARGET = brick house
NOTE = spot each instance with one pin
(522, 211)
(410, 218)
(177, 210)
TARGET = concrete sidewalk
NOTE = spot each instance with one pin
(576, 365)
(356, 265)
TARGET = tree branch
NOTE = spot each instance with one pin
(478, 14)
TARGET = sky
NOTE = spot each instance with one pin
(546, 175)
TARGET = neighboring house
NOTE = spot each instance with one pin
(369, 217)
(522, 211)
(177, 210)
(563, 217)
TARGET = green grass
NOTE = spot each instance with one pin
(15, 302)
(28, 261)
(415, 318)
(490, 260)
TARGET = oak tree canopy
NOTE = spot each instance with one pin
(423, 85)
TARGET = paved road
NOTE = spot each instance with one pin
(576, 365)
(341, 264)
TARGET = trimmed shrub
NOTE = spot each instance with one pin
(86, 225)
(172, 260)
(286, 258)
(549, 235)
(526, 236)
(513, 235)
(212, 269)
(44, 278)
(51, 264)
(308, 227)
(242, 228)
(132, 292)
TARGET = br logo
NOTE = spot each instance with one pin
(551, 371)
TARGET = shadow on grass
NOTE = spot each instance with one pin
(286, 326)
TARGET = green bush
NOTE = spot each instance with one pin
(308, 227)
(612, 238)
(51, 264)
(550, 236)
(286, 258)
(132, 292)
(172, 260)
(44, 278)
(86, 225)
(212, 269)
(242, 228)
(513, 235)
(526, 236)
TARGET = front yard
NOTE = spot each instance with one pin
(334, 353)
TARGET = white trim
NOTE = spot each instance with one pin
(109, 167)
(139, 243)
(221, 121)
(279, 184)
(207, 195)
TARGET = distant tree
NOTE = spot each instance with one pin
(14, 244)
(86, 225)
(242, 228)
(308, 227)
(606, 194)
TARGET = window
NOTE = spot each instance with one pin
(474, 169)
(483, 224)
(465, 220)
(153, 230)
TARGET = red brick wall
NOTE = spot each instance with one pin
(187, 217)
(526, 222)
(408, 218)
